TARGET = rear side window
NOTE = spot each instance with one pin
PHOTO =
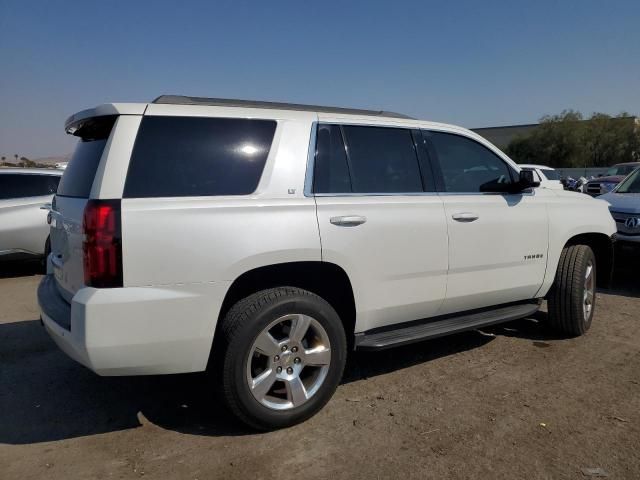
(78, 177)
(331, 174)
(20, 185)
(382, 160)
(466, 165)
(366, 160)
(194, 156)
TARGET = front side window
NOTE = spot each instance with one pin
(466, 165)
(22, 185)
(197, 156)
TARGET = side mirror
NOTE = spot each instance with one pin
(527, 180)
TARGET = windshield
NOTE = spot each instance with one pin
(551, 174)
(620, 170)
(631, 184)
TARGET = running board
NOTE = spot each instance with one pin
(412, 332)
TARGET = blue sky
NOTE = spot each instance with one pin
(475, 63)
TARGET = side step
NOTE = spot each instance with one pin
(412, 332)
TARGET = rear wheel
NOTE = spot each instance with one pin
(572, 298)
(284, 354)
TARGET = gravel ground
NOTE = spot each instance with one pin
(512, 401)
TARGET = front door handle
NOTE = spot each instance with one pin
(465, 217)
(348, 220)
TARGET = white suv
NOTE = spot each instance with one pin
(262, 241)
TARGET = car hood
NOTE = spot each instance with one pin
(610, 178)
(622, 202)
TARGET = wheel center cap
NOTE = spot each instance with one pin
(286, 358)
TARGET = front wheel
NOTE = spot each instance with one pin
(572, 298)
(284, 352)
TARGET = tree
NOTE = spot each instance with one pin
(565, 140)
(16, 157)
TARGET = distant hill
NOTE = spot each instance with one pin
(52, 160)
(42, 160)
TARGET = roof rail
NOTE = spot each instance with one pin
(225, 102)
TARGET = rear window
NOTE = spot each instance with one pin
(78, 177)
(194, 156)
(20, 185)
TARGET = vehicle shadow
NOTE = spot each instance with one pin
(45, 396)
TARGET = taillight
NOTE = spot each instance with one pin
(102, 245)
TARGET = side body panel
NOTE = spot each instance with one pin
(501, 257)
(571, 214)
(396, 260)
(23, 225)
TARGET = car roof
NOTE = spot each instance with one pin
(32, 171)
(625, 164)
(227, 102)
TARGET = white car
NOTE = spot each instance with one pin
(547, 176)
(264, 240)
(24, 196)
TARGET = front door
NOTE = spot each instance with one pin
(497, 242)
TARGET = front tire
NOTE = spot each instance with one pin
(283, 355)
(572, 299)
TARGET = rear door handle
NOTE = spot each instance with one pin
(348, 220)
(465, 217)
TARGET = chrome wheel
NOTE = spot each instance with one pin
(589, 292)
(288, 362)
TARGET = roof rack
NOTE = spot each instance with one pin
(225, 102)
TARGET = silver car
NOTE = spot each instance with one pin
(24, 197)
(624, 205)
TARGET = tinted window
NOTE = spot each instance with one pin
(80, 172)
(467, 166)
(191, 156)
(331, 174)
(382, 160)
(21, 185)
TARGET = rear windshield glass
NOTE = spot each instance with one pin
(195, 156)
(77, 179)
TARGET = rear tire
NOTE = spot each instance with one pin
(572, 298)
(283, 352)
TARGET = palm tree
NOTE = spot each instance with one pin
(16, 157)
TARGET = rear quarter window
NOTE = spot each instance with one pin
(195, 156)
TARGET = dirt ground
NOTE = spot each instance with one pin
(513, 401)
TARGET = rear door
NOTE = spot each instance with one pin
(381, 221)
(497, 242)
(74, 190)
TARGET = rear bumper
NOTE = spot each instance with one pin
(134, 330)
